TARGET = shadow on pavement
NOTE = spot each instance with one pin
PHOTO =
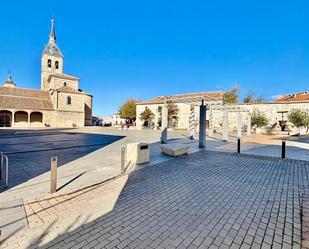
(30, 152)
(188, 199)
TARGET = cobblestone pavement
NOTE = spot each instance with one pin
(203, 200)
(85, 156)
(267, 145)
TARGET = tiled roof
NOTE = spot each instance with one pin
(62, 76)
(297, 97)
(68, 89)
(207, 96)
(21, 98)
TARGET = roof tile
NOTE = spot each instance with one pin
(20, 98)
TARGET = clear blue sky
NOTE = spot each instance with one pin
(143, 49)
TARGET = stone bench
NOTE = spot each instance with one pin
(174, 149)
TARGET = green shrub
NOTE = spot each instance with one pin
(299, 118)
(258, 119)
(147, 115)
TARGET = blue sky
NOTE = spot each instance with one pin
(142, 49)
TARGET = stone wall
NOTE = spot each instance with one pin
(77, 102)
(215, 116)
(183, 114)
(67, 119)
(270, 110)
(56, 83)
(46, 71)
(88, 109)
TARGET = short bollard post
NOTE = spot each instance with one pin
(53, 174)
(238, 145)
(283, 148)
(123, 150)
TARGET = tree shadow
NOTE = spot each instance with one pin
(29, 152)
(161, 204)
(117, 219)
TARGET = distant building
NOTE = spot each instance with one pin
(117, 120)
(59, 103)
(101, 121)
(97, 121)
(295, 97)
(107, 121)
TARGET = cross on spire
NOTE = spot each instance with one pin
(52, 34)
(51, 47)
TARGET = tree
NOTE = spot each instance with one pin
(251, 99)
(231, 96)
(147, 116)
(128, 109)
(258, 119)
(172, 114)
(299, 118)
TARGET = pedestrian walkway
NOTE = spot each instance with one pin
(85, 157)
(202, 200)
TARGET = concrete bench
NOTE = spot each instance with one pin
(174, 149)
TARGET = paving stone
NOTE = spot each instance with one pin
(203, 200)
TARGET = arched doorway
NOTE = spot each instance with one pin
(21, 119)
(36, 119)
(5, 119)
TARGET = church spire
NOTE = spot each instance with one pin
(9, 82)
(52, 35)
(51, 47)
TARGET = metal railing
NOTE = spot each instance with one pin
(4, 169)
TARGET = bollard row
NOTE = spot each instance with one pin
(283, 147)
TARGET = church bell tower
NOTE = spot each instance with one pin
(51, 60)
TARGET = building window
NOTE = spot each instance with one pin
(56, 64)
(49, 63)
(69, 100)
(64, 84)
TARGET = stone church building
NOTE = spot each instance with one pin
(59, 103)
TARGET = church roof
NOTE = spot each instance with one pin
(51, 47)
(68, 89)
(9, 82)
(21, 98)
(62, 76)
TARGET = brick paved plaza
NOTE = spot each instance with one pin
(203, 200)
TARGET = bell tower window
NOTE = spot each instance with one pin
(64, 84)
(69, 100)
(49, 63)
(56, 64)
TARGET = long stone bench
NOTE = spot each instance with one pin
(174, 149)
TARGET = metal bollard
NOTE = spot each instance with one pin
(123, 151)
(53, 174)
(283, 148)
(6, 159)
(238, 145)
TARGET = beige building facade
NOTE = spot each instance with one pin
(188, 109)
(59, 103)
(220, 118)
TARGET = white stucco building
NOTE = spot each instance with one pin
(220, 115)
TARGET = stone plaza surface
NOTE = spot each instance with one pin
(267, 145)
(202, 200)
(85, 156)
(92, 154)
